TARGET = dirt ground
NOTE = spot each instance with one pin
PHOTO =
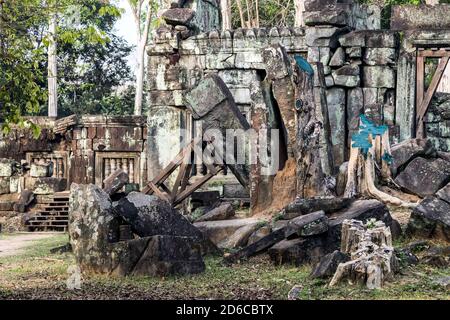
(35, 273)
(14, 244)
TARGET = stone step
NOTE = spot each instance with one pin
(48, 223)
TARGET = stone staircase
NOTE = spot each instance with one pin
(51, 214)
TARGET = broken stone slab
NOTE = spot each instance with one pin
(259, 234)
(341, 179)
(329, 263)
(353, 52)
(178, 16)
(116, 181)
(323, 36)
(378, 77)
(277, 62)
(25, 199)
(149, 215)
(336, 111)
(420, 17)
(402, 153)
(297, 251)
(222, 212)
(218, 231)
(45, 185)
(256, 247)
(239, 238)
(319, 5)
(424, 177)
(155, 256)
(304, 206)
(212, 102)
(338, 58)
(444, 193)
(347, 76)
(41, 169)
(430, 219)
(307, 225)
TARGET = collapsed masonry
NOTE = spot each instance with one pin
(313, 84)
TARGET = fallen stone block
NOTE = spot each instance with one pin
(116, 181)
(347, 76)
(222, 212)
(402, 153)
(307, 225)
(5, 185)
(169, 255)
(297, 251)
(430, 219)
(220, 230)
(326, 17)
(444, 193)
(149, 215)
(259, 234)
(239, 238)
(304, 206)
(338, 58)
(329, 263)
(379, 56)
(424, 177)
(378, 77)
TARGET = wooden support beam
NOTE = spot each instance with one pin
(433, 53)
(423, 107)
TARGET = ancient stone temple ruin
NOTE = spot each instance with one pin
(359, 108)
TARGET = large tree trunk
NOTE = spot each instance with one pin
(299, 8)
(314, 165)
(139, 82)
(52, 69)
(226, 14)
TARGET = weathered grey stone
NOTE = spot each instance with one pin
(341, 179)
(424, 176)
(297, 251)
(305, 206)
(148, 216)
(405, 151)
(326, 17)
(379, 56)
(338, 58)
(423, 17)
(40, 170)
(329, 81)
(5, 185)
(235, 191)
(116, 181)
(221, 212)
(336, 113)
(444, 193)
(218, 231)
(319, 54)
(92, 227)
(355, 107)
(328, 264)
(240, 237)
(353, 39)
(276, 62)
(279, 224)
(374, 112)
(430, 220)
(307, 225)
(378, 77)
(353, 52)
(178, 16)
(347, 76)
(46, 185)
(169, 255)
(381, 39)
(323, 36)
(6, 168)
(259, 234)
(319, 5)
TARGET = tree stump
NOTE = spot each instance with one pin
(372, 256)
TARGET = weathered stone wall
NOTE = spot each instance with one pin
(81, 149)
(437, 121)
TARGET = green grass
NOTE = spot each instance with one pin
(37, 273)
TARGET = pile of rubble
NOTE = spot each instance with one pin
(137, 235)
(421, 170)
